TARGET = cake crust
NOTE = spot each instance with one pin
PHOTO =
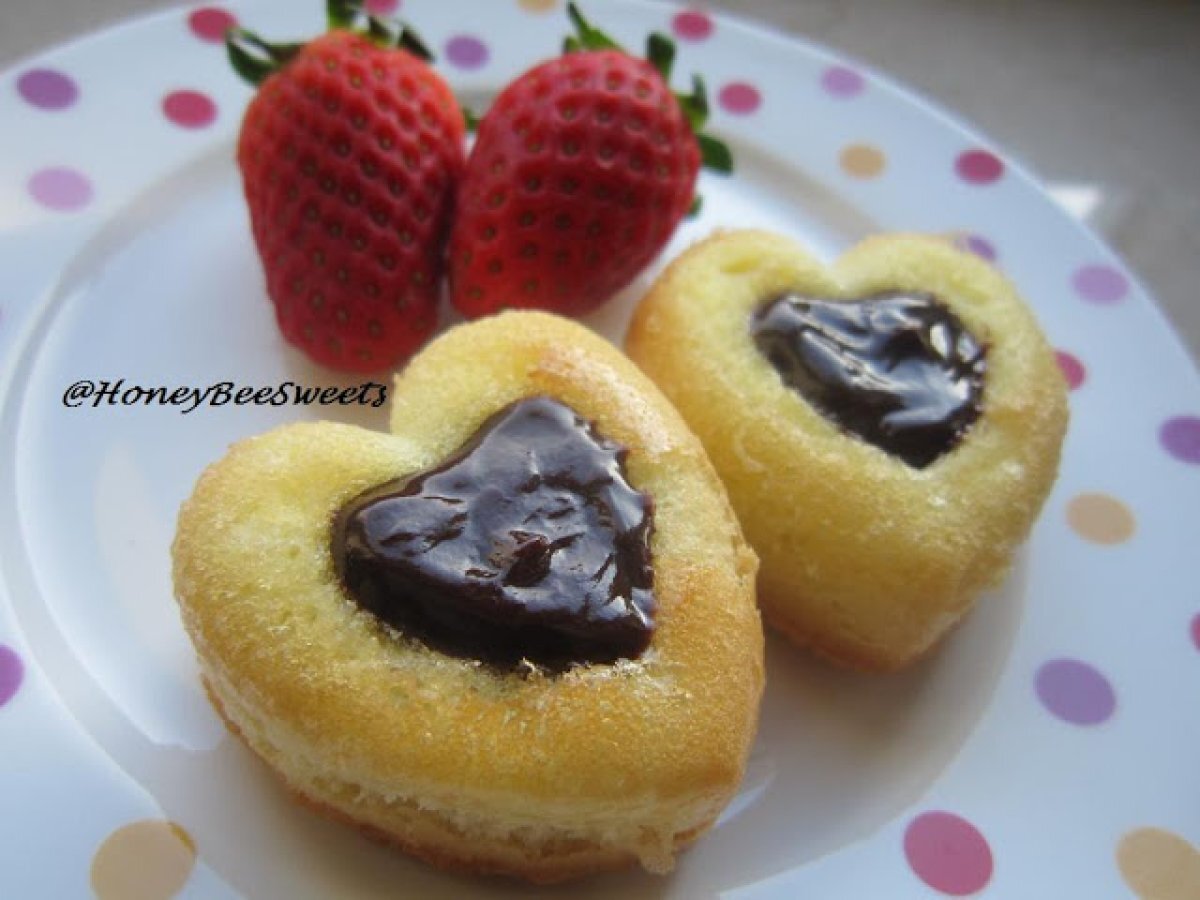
(527, 773)
(865, 559)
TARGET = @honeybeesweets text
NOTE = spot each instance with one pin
(188, 398)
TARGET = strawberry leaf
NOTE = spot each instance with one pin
(343, 13)
(695, 104)
(251, 69)
(589, 36)
(660, 50)
(411, 41)
(714, 154)
(382, 32)
(700, 98)
(255, 59)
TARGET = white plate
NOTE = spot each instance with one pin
(1047, 750)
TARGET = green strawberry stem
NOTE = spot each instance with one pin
(394, 34)
(695, 104)
(587, 36)
(715, 154)
(255, 59)
(343, 13)
(660, 52)
(349, 14)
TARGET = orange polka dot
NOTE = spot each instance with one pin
(537, 6)
(1100, 518)
(146, 860)
(1159, 865)
(862, 160)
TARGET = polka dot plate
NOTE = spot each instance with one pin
(1047, 750)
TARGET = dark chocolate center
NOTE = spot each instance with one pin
(527, 544)
(897, 369)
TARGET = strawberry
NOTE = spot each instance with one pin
(350, 154)
(581, 170)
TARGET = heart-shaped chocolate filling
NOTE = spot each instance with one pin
(897, 369)
(527, 544)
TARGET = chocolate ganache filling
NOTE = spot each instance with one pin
(898, 369)
(527, 544)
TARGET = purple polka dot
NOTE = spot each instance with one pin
(739, 98)
(1100, 284)
(209, 23)
(1180, 437)
(12, 673)
(948, 853)
(1075, 692)
(842, 82)
(1072, 369)
(189, 109)
(692, 25)
(1196, 630)
(381, 7)
(466, 52)
(978, 167)
(60, 188)
(981, 247)
(47, 89)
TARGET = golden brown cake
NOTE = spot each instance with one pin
(542, 771)
(874, 538)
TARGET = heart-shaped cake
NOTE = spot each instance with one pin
(516, 635)
(887, 428)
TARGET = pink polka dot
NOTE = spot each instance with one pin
(381, 7)
(948, 853)
(1072, 369)
(12, 673)
(1180, 437)
(466, 52)
(189, 109)
(978, 167)
(1075, 692)
(1100, 284)
(842, 82)
(1196, 630)
(739, 98)
(209, 23)
(692, 25)
(60, 188)
(47, 89)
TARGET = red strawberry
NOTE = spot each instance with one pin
(580, 172)
(350, 154)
